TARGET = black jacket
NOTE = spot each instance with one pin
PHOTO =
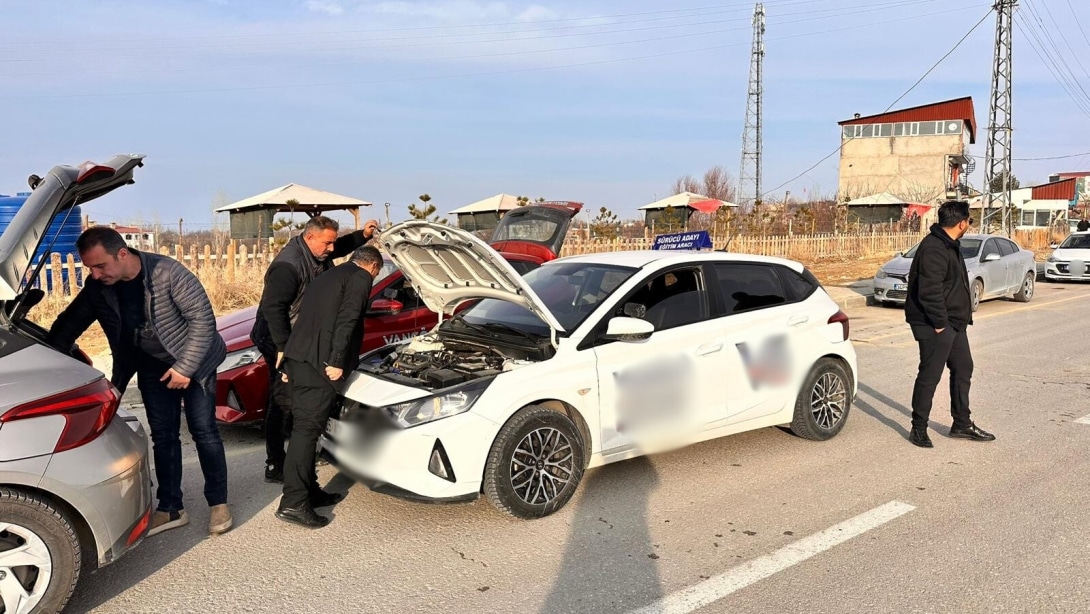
(938, 284)
(177, 308)
(285, 280)
(329, 329)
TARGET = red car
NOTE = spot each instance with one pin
(526, 237)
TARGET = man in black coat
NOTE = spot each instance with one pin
(940, 309)
(302, 259)
(323, 347)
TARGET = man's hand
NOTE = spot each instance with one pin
(333, 373)
(284, 377)
(175, 380)
(938, 331)
(369, 228)
(279, 359)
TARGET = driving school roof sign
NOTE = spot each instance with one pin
(683, 240)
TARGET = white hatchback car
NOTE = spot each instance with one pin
(585, 361)
(1070, 260)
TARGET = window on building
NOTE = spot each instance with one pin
(927, 128)
(1027, 218)
(899, 129)
(1043, 218)
(849, 132)
(886, 130)
(867, 131)
(953, 128)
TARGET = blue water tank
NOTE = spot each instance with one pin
(65, 231)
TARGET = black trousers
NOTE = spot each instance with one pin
(950, 348)
(277, 412)
(312, 398)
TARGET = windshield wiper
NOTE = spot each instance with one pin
(509, 328)
(460, 318)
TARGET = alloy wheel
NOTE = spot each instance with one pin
(827, 400)
(25, 568)
(542, 465)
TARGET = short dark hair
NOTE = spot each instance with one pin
(318, 223)
(107, 237)
(953, 212)
(367, 255)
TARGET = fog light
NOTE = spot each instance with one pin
(439, 464)
(232, 401)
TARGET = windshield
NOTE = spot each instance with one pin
(969, 249)
(1076, 242)
(388, 268)
(571, 291)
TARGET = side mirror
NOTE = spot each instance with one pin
(992, 257)
(623, 328)
(898, 254)
(1054, 246)
(384, 307)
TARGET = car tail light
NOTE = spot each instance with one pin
(140, 528)
(87, 411)
(842, 318)
(89, 171)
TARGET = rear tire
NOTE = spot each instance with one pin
(1026, 293)
(36, 530)
(822, 407)
(536, 463)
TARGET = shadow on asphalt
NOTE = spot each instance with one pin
(156, 552)
(892, 423)
(609, 555)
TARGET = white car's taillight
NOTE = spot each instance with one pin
(87, 412)
(841, 318)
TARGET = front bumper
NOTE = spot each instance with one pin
(1075, 270)
(242, 394)
(410, 463)
(890, 289)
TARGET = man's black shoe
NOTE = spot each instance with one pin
(973, 432)
(303, 516)
(274, 474)
(325, 499)
(919, 437)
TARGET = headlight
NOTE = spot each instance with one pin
(241, 358)
(881, 274)
(430, 409)
(1054, 259)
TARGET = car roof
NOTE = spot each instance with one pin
(644, 258)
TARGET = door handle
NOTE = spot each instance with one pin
(798, 320)
(710, 348)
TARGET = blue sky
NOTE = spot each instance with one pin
(600, 101)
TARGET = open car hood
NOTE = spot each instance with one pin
(535, 230)
(448, 266)
(62, 188)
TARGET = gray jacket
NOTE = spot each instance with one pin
(176, 305)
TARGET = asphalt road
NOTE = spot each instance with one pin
(759, 522)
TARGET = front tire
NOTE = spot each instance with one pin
(1026, 293)
(977, 294)
(822, 407)
(40, 554)
(535, 464)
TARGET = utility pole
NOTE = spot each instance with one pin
(749, 176)
(997, 158)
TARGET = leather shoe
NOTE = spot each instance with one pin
(920, 438)
(304, 516)
(274, 474)
(324, 498)
(972, 432)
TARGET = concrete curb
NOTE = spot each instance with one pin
(848, 303)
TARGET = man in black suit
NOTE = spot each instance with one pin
(323, 346)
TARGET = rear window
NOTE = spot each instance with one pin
(797, 286)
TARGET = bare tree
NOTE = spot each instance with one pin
(918, 192)
(717, 183)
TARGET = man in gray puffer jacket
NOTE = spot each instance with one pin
(161, 328)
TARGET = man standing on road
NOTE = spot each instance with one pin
(939, 310)
(302, 259)
(160, 325)
(323, 347)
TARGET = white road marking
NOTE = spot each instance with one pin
(714, 589)
(1083, 420)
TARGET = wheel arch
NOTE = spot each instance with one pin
(559, 407)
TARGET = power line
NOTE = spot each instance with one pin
(70, 94)
(920, 80)
(1078, 155)
(1039, 49)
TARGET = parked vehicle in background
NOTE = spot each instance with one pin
(1069, 260)
(997, 268)
(75, 481)
(581, 362)
(526, 237)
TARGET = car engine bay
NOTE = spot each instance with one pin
(436, 362)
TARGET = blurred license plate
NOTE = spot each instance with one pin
(900, 286)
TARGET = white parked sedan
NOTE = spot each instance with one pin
(585, 361)
(997, 268)
(1070, 259)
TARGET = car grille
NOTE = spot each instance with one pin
(897, 294)
(898, 277)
